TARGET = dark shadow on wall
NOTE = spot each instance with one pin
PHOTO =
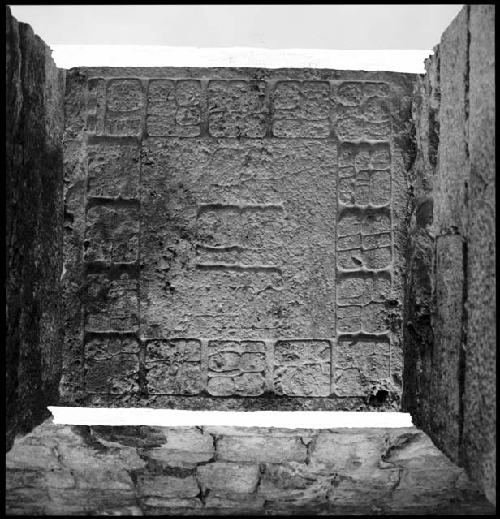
(33, 192)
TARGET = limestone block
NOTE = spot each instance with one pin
(173, 366)
(184, 447)
(111, 365)
(301, 109)
(449, 184)
(96, 105)
(355, 452)
(112, 234)
(224, 236)
(302, 368)
(480, 362)
(125, 104)
(261, 449)
(167, 486)
(111, 304)
(237, 109)
(75, 106)
(33, 457)
(243, 362)
(113, 170)
(172, 506)
(228, 477)
(447, 325)
(349, 319)
(173, 108)
(361, 111)
(360, 364)
(234, 503)
(293, 483)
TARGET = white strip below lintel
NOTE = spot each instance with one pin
(186, 418)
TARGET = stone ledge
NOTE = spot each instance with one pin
(117, 471)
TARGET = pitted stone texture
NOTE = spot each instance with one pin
(362, 362)
(113, 170)
(173, 366)
(301, 109)
(111, 364)
(237, 109)
(96, 105)
(272, 205)
(173, 108)
(361, 111)
(112, 234)
(365, 174)
(111, 304)
(167, 487)
(302, 368)
(240, 478)
(480, 360)
(232, 232)
(447, 325)
(261, 448)
(184, 447)
(236, 367)
(364, 287)
(125, 106)
(33, 227)
(159, 470)
(453, 162)
(449, 332)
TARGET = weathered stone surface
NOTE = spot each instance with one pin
(205, 292)
(479, 421)
(261, 449)
(174, 366)
(184, 448)
(112, 234)
(167, 487)
(237, 109)
(111, 304)
(113, 170)
(361, 111)
(34, 227)
(111, 364)
(301, 109)
(447, 325)
(119, 470)
(361, 364)
(173, 108)
(125, 104)
(450, 183)
(449, 313)
(417, 331)
(234, 504)
(232, 229)
(302, 368)
(229, 477)
(236, 367)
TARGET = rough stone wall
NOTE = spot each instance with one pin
(449, 337)
(234, 237)
(33, 238)
(143, 470)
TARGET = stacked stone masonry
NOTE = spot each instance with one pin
(144, 470)
(239, 232)
(450, 312)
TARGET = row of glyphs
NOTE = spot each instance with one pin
(293, 367)
(239, 108)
